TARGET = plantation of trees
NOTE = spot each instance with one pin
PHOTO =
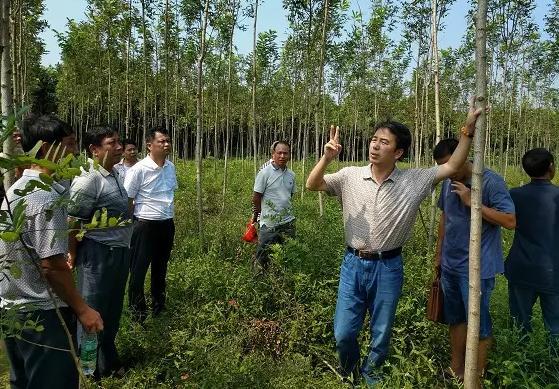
(137, 64)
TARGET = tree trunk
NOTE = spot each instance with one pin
(199, 118)
(434, 33)
(7, 104)
(254, 146)
(319, 99)
(471, 374)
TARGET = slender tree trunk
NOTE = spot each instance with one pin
(7, 103)
(199, 119)
(471, 374)
(146, 64)
(127, 80)
(319, 98)
(435, 54)
(254, 36)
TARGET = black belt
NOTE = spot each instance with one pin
(153, 221)
(375, 255)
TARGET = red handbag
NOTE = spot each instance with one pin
(250, 235)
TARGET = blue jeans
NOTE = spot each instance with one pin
(375, 285)
(521, 302)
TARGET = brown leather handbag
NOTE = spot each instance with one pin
(435, 310)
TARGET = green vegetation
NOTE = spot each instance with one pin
(226, 329)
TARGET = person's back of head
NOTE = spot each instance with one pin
(444, 148)
(400, 131)
(47, 128)
(538, 162)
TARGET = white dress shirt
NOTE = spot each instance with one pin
(153, 189)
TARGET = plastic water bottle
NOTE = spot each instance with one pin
(88, 352)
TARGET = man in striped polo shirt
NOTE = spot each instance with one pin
(102, 257)
(379, 203)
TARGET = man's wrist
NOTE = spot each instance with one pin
(465, 130)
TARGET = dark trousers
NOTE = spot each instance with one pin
(152, 242)
(36, 367)
(102, 275)
(521, 303)
(268, 236)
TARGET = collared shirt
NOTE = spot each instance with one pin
(456, 241)
(277, 187)
(379, 217)
(153, 189)
(45, 232)
(533, 260)
(97, 189)
(122, 168)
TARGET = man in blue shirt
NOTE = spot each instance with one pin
(273, 188)
(532, 267)
(452, 253)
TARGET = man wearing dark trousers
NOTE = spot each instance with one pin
(102, 258)
(532, 267)
(151, 185)
(274, 187)
(42, 267)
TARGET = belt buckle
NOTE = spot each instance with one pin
(379, 253)
(364, 253)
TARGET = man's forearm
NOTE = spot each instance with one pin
(256, 205)
(459, 156)
(60, 279)
(440, 237)
(315, 181)
(503, 219)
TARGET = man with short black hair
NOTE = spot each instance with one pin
(379, 205)
(274, 187)
(151, 185)
(452, 252)
(102, 257)
(532, 266)
(40, 358)
(130, 157)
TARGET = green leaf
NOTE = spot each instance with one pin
(9, 236)
(79, 235)
(113, 221)
(33, 152)
(46, 178)
(94, 221)
(15, 271)
(104, 215)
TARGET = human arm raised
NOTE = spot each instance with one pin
(332, 149)
(460, 155)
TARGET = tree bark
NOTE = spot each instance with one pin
(471, 374)
(435, 58)
(199, 119)
(7, 104)
(254, 36)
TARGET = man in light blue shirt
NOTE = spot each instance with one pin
(273, 189)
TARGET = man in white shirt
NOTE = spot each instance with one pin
(129, 157)
(151, 184)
